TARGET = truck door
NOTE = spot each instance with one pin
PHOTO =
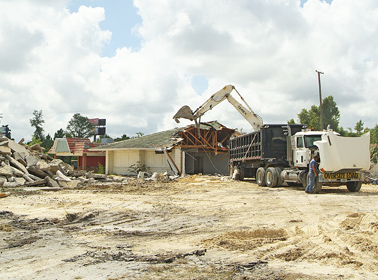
(299, 152)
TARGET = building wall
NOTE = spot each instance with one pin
(119, 162)
(122, 160)
(206, 163)
(157, 162)
(92, 161)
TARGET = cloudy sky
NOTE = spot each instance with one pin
(135, 63)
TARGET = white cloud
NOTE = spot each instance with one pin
(50, 60)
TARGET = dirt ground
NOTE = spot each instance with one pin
(198, 227)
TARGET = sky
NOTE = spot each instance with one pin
(135, 63)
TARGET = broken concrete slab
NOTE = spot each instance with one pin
(36, 172)
(16, 164)
(37, 147)
(79, 173)
(2, 180)
(62, 177)
(43, 165)
(17, 147)
(46, 157)
(20, 157)
(17, 172)
(5, 150)
(11, 184)
(6, 170)
(4, 143)
(36, 183)
(70, 185)
(56, 165)
(27, 177)
(31, 160)
(51, 182)
(20, 180)
(35, 178)
(96, 176)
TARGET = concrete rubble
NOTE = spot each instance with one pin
(28, 166)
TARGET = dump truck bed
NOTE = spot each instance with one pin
(268, 143)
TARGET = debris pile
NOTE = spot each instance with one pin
(25, 166)
(22, 165)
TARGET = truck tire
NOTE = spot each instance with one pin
(271, 177)
(260, 176)
(280, 179)
(241, 173)
(354, 186)
(305, 179)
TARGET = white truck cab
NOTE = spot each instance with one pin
(342, 159)
(302, 144)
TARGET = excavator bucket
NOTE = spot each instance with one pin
(185, 112)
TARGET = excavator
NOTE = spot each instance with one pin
(225, 93)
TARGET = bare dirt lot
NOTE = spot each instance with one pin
(198, 227)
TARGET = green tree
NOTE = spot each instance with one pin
(359, 128)
(35, 141)
(311, 117)
(291, 121)
(60, 134)
(37, 122)
(80, 127)
(342, 131)
(331, 115)
(47, 143)
(124, 137)
(374, 134)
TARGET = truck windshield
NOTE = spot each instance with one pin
(310, 139)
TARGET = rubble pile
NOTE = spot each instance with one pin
(22, 165)
(25, 166)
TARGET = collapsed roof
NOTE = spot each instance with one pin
(209, 135)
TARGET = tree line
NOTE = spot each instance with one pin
(78, 127)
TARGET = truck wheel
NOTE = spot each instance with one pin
(271, 177)
(260, 176)
(305, 179)
(280, 179)
(354, 186)
(241, 173)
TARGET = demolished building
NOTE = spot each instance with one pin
(80, 148)
(188, 150)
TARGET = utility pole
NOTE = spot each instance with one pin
(320, 99)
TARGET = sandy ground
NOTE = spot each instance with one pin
(199, 227)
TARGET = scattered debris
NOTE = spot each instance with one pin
(29, 166)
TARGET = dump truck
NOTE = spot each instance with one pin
(279, 154)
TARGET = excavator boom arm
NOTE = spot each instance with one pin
(254, 119)
(214, 100)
